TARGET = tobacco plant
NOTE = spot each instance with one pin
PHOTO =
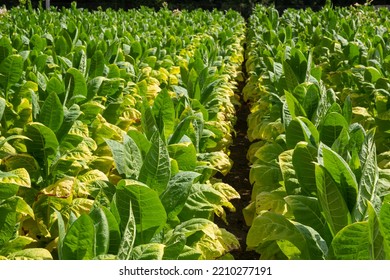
(111, 134)
(319, 189)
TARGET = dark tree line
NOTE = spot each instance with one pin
(244, 6)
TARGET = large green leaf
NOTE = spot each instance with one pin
(15, 244)
(311, 100)
(148, 121)
(371, 74)
(352, 242)
(44, 144)
(369, 177)
(128, 239)
(90, 110)
(362, 240)
(31, 254)
(347, 109)
(164, 113)
(181, 129)
(216, 243)
(156, 169)
(286, 117)
(12, 180)
(79, 241)
(70, 117)
(301, 129)
(5, 47)
(177, 191)
(341, 173)
(96, 67)
(102, 231)
(206, 237)
(110, 87)
(136, 50)
(185, 155)
(331, 127)
(151, 251)
(333, 205)
(52, 113)
(318, 249)
(12, 137)
(340, 145)
(307, 211)
(270, 201)
(76, 86)
(299, 64)
(44, 209)
(54, 85)
(141, 141)
(204, 200)
(290, 180)
(61, 232)
(149, 213)
(62, 45)
(8, 219)
(352, 52)
(193, 84)
(80, 60)
(217, 160)
(275, 227)
(3, 105)
(265, 176)
(127, 157)
(291, 78)
(174, 246)
(384, 225)
(377, 241)
(93, 88)
(303, 159)
(11, 69)
(270, 250)
(192, 226)
(189, 253)
(115, 234)
(294, 107)
(269, 152)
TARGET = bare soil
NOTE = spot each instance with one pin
(238, 177)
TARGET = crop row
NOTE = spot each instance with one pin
(319, 93)
(113, 125)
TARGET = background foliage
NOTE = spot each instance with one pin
(244, 6)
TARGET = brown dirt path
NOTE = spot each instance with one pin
(238, 177)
